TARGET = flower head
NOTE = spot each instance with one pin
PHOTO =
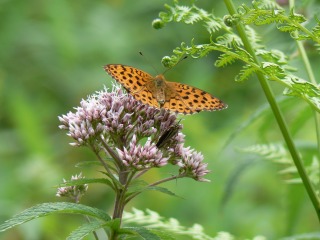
(73, 192)
(136, 135)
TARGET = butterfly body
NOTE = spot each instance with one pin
(158, 92)
(159, 89)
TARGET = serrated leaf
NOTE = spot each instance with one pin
(298, 18)
(144, 233)
(137, 185)
(46, 209)
(162, 234)
(272, 70)
(272, 56)
(90, 227)
(304, 89)
(85, 230)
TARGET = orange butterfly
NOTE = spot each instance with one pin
(157, 92)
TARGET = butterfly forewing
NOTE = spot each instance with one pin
(130, 78)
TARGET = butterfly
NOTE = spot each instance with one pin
(160, 93)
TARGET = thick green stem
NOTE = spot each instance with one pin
(278, 115)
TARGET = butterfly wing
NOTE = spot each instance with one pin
(130, 78)
(135, 81)
(182, 98)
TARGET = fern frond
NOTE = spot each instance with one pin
(245, 73)
(212, 25)
(278, 154)
(316, 29)
(259, 17)
(273, 55)
(224, 60)
(229, 39)
(266, 4)
(273, 71)
(153, 220)
(304, 89)
(192, 15)
(254, 38)
(274, 152)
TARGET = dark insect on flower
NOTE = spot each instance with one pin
(170, 133)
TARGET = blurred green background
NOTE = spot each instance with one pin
(51, 56)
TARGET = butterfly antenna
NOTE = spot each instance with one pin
(181, 59)
(147, 60)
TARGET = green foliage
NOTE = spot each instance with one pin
(267, 64)
(88, 228)
(152, 220)
(279, 154)
(274, 64)
(191, 15)
(261, 13)
(46, 209)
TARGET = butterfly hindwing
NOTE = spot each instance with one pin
(187, 99)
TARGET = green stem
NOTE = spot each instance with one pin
(110, 174)
(278, 115)
(312, 78)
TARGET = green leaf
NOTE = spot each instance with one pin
(137, 185)
(273, 55)
(150, 234)
(88, 228)
(303, 89)
(46, 209)
(272, 70)
(160, 189)
(85, 230)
